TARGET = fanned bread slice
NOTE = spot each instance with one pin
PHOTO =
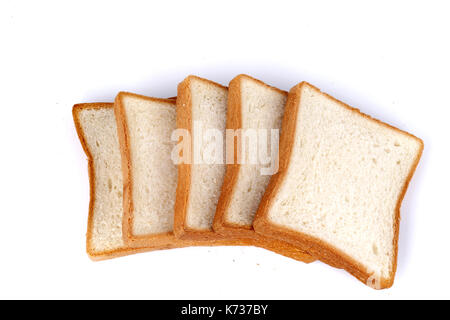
(252, 105)
(341, 181)
(201, 105)
(145, 126)
(96, 127)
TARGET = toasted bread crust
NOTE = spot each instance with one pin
(157, 241)
(220, 224)
(107, 254)
(184, 121)
(323, 251)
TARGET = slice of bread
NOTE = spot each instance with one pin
(145, 126)
(200, 104)
(96, 127)
(341, 181)
(252, 104)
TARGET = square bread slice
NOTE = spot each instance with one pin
(145, 126)
(252, 105)
(201, 106)
(340, 184)
(96, 127)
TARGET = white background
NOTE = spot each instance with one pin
(391, 59)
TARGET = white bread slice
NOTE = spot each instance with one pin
(96, 127)
(145, 126)
(341, 181)
(252, 104)
(199, 185)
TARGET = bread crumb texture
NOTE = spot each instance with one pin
(154, 175)
(209, 106)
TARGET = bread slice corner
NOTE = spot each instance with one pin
(340, 185)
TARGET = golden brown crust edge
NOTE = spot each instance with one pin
(220, 224)
(108, 254)
(234, 121)
(184, 121)
(317, 247)
(122, 132)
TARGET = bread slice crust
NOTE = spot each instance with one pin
(322, 250)
(95, 255)
(158, 241)
(221, 225)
